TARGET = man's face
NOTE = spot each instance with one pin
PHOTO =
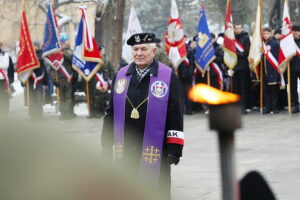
(277, 36)
(193, 44)
(238, 29)
(296, 34)
(143, 55)
(266, 35)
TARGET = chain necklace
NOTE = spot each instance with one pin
(135, 113)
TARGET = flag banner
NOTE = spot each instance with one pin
(52, 50)
(219, 73)
(205, 52)
(255, 51)
(86, 59)
(287, 44)
(230, 57)
(27, 59)
(134, 27)
(175, 41)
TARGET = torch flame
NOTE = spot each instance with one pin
(203, 93)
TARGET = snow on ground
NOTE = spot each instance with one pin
(80, 109)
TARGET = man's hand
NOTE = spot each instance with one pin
(173, 159)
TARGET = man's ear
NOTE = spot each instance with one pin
(154, 51)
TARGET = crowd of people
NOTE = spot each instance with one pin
(145, 103)
(241, 80)
(47, 85)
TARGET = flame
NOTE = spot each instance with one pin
(203, 93)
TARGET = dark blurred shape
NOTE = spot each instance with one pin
(254, 187)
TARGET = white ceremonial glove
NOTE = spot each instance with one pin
(230, 72)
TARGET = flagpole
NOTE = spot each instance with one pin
(289, 88)
(57, 88)
(208, 76)
(231, 83)
(88, 97)
(261, 88)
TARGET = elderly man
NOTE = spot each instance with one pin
(145, 116)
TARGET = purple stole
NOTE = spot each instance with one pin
(155, 119)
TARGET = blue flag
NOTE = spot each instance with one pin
(205, 52)
(86, 59)
(52, 50)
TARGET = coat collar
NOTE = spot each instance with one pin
(153, 68)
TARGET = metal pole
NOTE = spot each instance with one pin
(229, 182)
(88, 97)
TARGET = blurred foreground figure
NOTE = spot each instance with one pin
(145, 114)
(39, 165)
(253, 186)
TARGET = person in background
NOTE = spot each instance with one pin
(271, 75)
(36, 82)
(241, 76)
(4, 83)
(295, 71)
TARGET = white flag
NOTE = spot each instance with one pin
(256, 44)
(134, 27)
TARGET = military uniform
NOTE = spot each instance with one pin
(241, 76)
(134, 129)
(271, 78)
(65, 79)
(99, 95)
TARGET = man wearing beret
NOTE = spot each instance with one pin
(144, 119)
(295, 71)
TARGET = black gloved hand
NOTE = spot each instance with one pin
(172, 159)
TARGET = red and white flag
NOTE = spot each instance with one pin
(287, 44)
(230, 57)
(134, 27)
(175, 41)
(27, 59)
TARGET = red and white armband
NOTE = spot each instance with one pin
(175, 137)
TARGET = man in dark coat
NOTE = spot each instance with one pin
(144, 118)
(99, 86)
(36, 81)
(66, 76)
(216, 67)
(185, 75)
(242, 73)
(271, 75)
(295, 72)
